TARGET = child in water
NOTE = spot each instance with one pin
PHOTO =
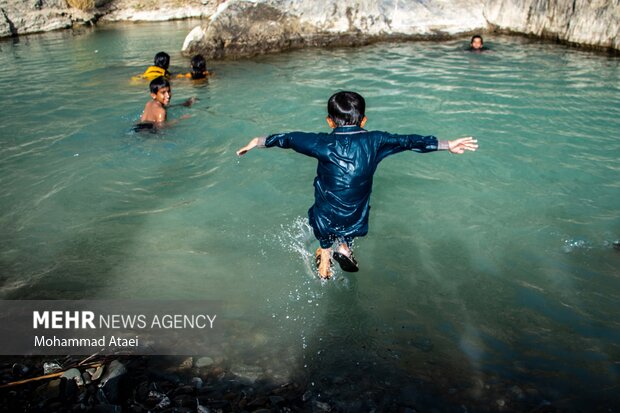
(199, 69)
(161, 62)
(476, 44)
(155, 110)
(347, 160)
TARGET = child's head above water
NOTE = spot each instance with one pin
(162, 59)
(476, 42)
(160, 90)
(158, 83)
(346, 108)
(199, 67)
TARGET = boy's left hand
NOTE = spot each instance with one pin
(461, 145)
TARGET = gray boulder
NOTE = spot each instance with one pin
(586, 22)
(244, 28)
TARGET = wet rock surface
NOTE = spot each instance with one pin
(585, 22)
(245, 28)
(242, 28)
(32, 16)
(19, 17)
(235, 28)
(159, 384)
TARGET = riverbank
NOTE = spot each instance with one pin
(154, 384)
(241, 28)
(22, 18)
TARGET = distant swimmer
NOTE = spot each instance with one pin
(347, 160)
(161, 62)
(198, 69)
(476, 44)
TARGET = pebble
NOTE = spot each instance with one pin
(19, 369)
(51, 367)
(275, 400)
(187, 363)
(197, 383)
(86, 378)
(73, 374)
(158, 399)
(204, 362)
(95, 373)
(324, 407)
(115, 369)
(185, 400)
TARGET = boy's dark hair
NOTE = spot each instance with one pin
(158, 83)
(346, 108)
(199, 67)
(474, 37)
(162, 59)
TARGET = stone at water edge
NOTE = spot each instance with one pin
(73, 374)
(204, 362)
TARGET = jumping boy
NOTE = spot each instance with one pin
(155, 110)
(348, 158)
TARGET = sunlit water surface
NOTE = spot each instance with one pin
(487, 280)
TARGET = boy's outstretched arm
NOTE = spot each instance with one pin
(256, 142)
(187, 103)
(460, 145)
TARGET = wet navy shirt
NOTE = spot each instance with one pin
(348, 158)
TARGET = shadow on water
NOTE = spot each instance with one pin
(490, 351)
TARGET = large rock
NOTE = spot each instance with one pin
(248, 27)
(6, 26)
(243, 27)
(586, 22)
(32, 16)
(161, 10)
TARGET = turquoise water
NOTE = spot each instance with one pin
(487, 279)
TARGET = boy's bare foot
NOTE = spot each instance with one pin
(323, 260)
(344, 257)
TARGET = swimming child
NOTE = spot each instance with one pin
(347, 160)
(476, 44)
(160, 68)
(155, 111)
(199, 69)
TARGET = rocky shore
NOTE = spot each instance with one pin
(33, 16)
(166, 384)
(236, 28)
